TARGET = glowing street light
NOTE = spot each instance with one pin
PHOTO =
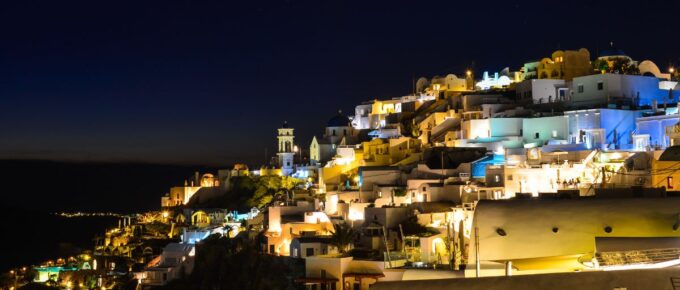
(671, 71)
(297, 149)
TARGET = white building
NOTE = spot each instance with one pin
(550, 235)
(175, 261)
(542, 91)
(625, 90)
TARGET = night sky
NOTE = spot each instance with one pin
(202, 82)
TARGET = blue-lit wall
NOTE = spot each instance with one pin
(587, 90)
(620, 120)
(479, 167)
(656, 128)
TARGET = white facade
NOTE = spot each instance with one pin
(361, 120)
(285, 151)
(175, 261)
(606, 88)
(548, 236)
(542, 90)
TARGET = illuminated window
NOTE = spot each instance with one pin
(669, 180)
(497, 178)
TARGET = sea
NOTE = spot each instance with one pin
(32, 237)
(32, 191)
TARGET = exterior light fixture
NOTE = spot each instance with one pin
(501, 232)
(608, 229)
(555, 229)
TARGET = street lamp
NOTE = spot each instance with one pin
(14, 273)
(671, 70)
(296, 149)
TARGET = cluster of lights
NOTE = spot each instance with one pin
(87, 214)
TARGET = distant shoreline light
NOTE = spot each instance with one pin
(87, 214)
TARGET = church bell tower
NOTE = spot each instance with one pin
(285, 152)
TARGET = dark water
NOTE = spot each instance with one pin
(31, 237)
(31, 190)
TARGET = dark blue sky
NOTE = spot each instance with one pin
(207, 82)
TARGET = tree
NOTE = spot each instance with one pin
(342, 236)
(270, 187)
(226, 263)
(600, 65)
(411, 227)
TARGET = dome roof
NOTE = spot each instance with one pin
(339, 120)
(670, 154)
(612, 52)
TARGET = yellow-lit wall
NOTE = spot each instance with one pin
(332, 174)
(668, 174)
(384, 107)
(565, 65)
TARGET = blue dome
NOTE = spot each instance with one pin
(339, 120)
(612, 52)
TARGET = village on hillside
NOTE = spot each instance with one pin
(565, 168)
